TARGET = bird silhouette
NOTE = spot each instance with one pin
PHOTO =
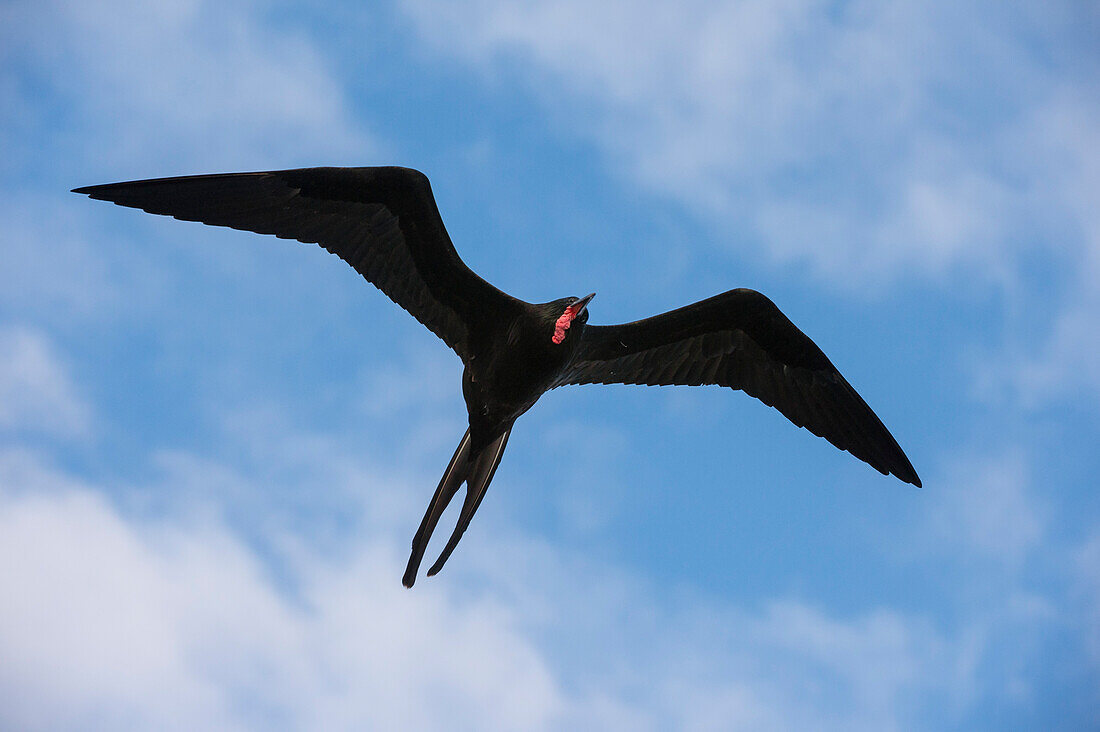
(384, 222)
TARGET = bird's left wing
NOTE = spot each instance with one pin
(382, 221)
(740, 339)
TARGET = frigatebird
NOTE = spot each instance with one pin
(384, 222)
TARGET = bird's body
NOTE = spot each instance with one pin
(384, 223)
(516, 364)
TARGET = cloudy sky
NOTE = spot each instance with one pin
(215, 446)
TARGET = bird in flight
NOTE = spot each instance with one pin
(384, 222)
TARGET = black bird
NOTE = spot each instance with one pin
(384, 223)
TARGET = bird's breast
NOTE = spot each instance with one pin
(507, 380)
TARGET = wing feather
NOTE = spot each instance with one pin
(382, 221)
(740, 339)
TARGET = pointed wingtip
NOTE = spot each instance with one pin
(908, 473)
(908, 476)
(102, 192)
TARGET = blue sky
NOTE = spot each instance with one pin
(215, 446)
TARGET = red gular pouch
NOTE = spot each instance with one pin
(564, 322)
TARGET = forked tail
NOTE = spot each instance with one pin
(477, 472)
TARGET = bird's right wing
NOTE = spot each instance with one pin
(382, 221)
(740, 339)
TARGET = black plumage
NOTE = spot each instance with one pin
(384, 223)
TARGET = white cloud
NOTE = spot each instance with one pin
(180, 86)
(174, 621)
(984, 507)
(1063, 359)
(813, 127)
(111, 622)
(35, 390)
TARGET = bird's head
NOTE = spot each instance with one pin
(569, 312)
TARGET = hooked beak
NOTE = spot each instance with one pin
(582, 303)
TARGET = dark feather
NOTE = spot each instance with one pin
(382, 221)
(740, 339)
(449, 484)
(484, 467)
